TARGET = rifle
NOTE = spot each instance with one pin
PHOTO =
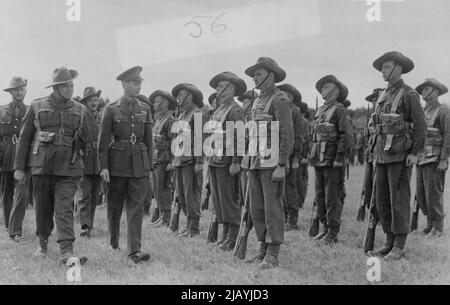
(315, 223)
(213, 229)
(369, 238)
(240, 249)
(207, 193)
(361, 217)
(176, 210)
(415, 215)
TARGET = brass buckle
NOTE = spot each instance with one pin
(133, 139)
(14, 139)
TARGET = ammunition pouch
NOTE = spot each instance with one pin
(433, 143)
(46, 137)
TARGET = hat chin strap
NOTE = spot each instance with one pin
(60, 95)
(267, 77)
(392, 71)
(221, 93)
(425, 97)
(329, 93)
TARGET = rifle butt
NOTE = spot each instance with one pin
(314, 229)
(213, 233)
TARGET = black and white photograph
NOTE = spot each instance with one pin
(223, 149)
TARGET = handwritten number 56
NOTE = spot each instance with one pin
(215, 27)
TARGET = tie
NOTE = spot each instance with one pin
(17, 111)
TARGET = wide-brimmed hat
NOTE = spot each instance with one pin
(374, 94)
(63, 76)
(212, 97)
(240, 84)
(343, 90)
(131, 74)
(196, 93)
(90, 92)
(16, 82)
(292, 90)
(248, 95)
(397, 57)
(164, 94)
(304, 108)
(432, 82)
(270, 65)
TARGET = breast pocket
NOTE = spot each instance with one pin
(5, 123)
(116, 157)
(48, 118)
(121, 125)
(71, 120)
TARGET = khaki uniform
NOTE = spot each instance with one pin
(302, 174)
(51, 137)
(430, 181)
(128, 159)
(13, 194)
(400, 126)
(331, 139)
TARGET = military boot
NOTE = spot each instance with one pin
(291, 223)
(321, 235)
(434, 234)
(194, 228)
(395, 254)
(230, 242)
(225, 230)
(270, 261)
(424, 231)
(139, 257)
(329, 239)
(386, 248)
(186, 229)
(165, 219)
(258, 258)
(42, 247)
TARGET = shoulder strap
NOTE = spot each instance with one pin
(224, 116)
(269, 103)
(330, 113)
(397, 100)
(433, 117)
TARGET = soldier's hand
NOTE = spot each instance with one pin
(235, 168)
(338, 164)
(170, 167)
(198, 168)
(278, 174)
(304, 161)
(19, 175)
(411, 160)
(295, 163)
(105, 175)
(442, 166)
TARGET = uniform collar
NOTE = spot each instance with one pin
(431, 106)
(395, 86)
(58, 102)
(160, 116)
(268, 91)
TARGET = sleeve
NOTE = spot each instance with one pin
(169, 136)
(104, 138)
(283, 115)
(415, 113)
(26, 137)
(299, 134)
(343, 134)
(237, 116)
(444, 124)
(148, 136)
(306, 140)
(199, 159)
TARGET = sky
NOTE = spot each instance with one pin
(308, 38)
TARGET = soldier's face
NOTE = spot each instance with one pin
(329, 91)
(65, 90)
(92, 103)
(429, 93)
(260, 78)
(132, 87)
(225, 89)
(184, 97)
(161, 104)
(19, 93)
(289, 96)
(389, 67)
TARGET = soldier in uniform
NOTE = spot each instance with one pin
(348, 156)
(290, 188)
(126, 162)
(225, 165)
(13, 193)
(433, 161)
(163, 103)
(331, 139)
(53, 132)
(189, 166)
(401, 127)
(268, 168)
(302, 175)
(90, 184)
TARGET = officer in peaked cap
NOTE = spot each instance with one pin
(126, 162)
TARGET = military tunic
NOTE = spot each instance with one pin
(52, 135)
(430, 181)
(162, 156)
(128, 159)
(397, 107)
(13, 194)
(90, 184)
(266, 203)
(302, 175)
(224, 187)
(331, 139)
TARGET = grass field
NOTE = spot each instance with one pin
(191, 261)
